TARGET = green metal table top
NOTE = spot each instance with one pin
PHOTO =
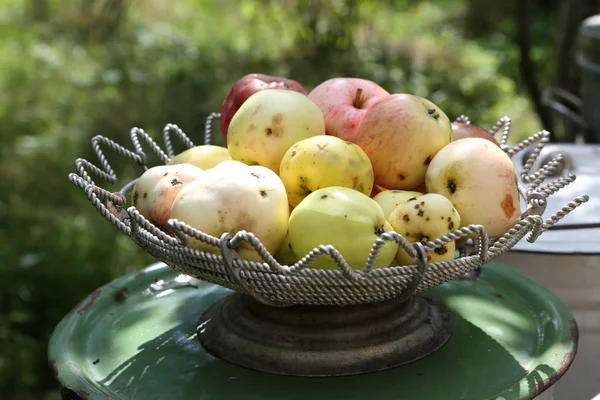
(513, 339)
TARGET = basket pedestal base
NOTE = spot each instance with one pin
(323, 340)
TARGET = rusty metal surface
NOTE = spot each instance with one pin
(324, 340)
(512, 339)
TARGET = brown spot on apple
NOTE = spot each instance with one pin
(428, 160)
(277, 119)
(175, 182)
(355, 182)
(507, 206)
(451, 186)
(401, 177)
(293, 153)
(324, 196)
(263, 193)
(145, 194)
(420, 213)
(406, 218)
(417, 206)
(322, 147)
(136, 195)
(268, 131)
(450, 225)
(411, 199)
(441, 250)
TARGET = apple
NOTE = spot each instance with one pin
(231, 198)
(461, 130)
(204, 156)
(246, 87)
(480, 181)
(322, 161)
(344, 102)
(344, 218)
(401, 133)
(376, 190)
(269, 123)
(156, 189)
(423, 219)
(285, 254)
(390, 199)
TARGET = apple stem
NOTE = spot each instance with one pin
(358, 99)
(433, 112)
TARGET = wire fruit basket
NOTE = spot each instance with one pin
(301, 320)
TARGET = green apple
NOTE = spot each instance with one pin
(204, 156)
(232, 197)
(480, 180)
(344, 218)
(388, 200)
(269, 123)
(285, 254)
(323, 161)
(422, 219)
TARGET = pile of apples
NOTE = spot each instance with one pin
(338, 166)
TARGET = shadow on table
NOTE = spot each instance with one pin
(173, 365)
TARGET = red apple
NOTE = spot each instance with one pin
(376, 190)
(344, 103)
(461, 130)
(246, 87)
(401, 133)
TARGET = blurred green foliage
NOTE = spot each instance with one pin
(72, 69)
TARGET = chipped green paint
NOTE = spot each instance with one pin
(512, 340)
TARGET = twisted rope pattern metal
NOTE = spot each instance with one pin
(277, 284)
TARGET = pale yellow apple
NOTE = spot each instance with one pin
(423, 219)
(390, 199)
(204, 156)
(269, 123)
(232, 198)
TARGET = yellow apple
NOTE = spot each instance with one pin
(323, 161)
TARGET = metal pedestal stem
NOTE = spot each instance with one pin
(324, 340)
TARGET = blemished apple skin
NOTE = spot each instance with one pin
(480, 181)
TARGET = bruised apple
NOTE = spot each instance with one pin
(269, 123)
(246, 87)
(390, 199)
(423, 219)
(232, 197)
(156, 189)
(480, 181)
